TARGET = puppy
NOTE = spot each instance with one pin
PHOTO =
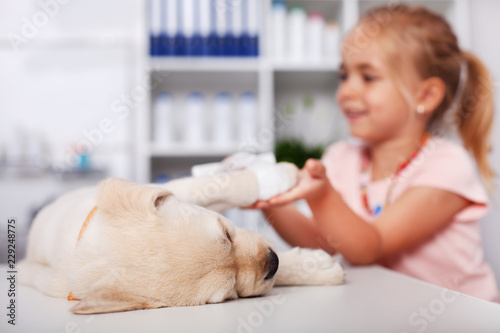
(124, 246)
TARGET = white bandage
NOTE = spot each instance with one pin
(272, 180)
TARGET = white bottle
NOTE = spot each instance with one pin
(315, 36)
(247, 117)
(279, 27)
(296, 33)
(222, 126)
(194, 120)
(188, 18)
(252, 17)
(172, 24)
(236, 20)
(332, 41)
(163, 118)
(204, 17)
(222, 11)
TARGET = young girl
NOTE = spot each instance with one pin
(405, 197)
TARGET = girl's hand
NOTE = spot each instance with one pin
(312, 183)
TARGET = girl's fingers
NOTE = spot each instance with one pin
(315, 168)
(292, 195)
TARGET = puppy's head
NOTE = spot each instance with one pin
(152, 250)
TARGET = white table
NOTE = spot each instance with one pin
(373, 299)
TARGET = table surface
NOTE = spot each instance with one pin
(373, 299)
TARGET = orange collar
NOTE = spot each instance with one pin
(82, 231)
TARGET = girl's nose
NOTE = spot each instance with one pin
(347, 90)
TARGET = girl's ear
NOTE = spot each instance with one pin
(431, 94)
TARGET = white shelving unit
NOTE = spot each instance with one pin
(273, 82)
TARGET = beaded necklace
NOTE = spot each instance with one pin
(365, 166)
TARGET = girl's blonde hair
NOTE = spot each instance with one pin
(433, 48)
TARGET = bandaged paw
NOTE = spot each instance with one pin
(300, 266)
(273, 178)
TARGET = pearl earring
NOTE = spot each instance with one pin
(420, 109)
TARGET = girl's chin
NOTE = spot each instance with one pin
(363, 134)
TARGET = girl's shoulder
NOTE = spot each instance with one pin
(447, 165)
(441, 155)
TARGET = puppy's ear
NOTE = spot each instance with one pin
(124, 199)
(114, 303)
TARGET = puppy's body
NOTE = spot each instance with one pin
(146, 248)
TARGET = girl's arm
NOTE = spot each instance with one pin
(418, 214)
(295, 228)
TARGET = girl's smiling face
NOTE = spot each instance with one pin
(369, 95)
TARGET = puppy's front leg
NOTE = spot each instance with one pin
(218, 192)
(307, 267)
(239, 188)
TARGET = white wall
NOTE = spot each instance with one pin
(63, 67)
(485, 28)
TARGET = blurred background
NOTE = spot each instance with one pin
(145, 89)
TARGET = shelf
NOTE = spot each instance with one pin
(237, 65)
(183, 150)
(159, 64)
(288, 66)
(280, 85)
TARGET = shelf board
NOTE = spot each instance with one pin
(186, 150)
(159, 64)
(172, 64)
(290, 66)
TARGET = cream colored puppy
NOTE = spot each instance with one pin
(123, 246)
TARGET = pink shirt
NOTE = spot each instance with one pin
(453, 257)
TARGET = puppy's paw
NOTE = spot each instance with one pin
(275, 179)
(300, 266)
(291, 172)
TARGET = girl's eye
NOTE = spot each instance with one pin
(343, 76)
(369, 78)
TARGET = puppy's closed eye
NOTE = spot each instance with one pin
(228, 236)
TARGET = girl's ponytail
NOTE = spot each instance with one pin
(474, 115)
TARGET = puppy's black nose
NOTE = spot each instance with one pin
(272, 264)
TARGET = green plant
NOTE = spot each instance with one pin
(296, 152)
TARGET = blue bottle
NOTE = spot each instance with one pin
(170, 28)
(155, 26)
(249, 42)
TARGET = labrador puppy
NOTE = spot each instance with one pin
(123, 246)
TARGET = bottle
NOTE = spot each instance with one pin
(233, 42)
(194, 120)
(315, 36)
(169, 38)
(247, 117)
(279, 26)
(163, 118)
(155, 26)
(188, 26)
(204, 17)
(250, 32)
(296, 33)
(180, 37)
(222, 125)
(332, 41)
(221, 26)
(213, 38)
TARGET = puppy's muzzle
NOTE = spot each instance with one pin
(272, 264)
